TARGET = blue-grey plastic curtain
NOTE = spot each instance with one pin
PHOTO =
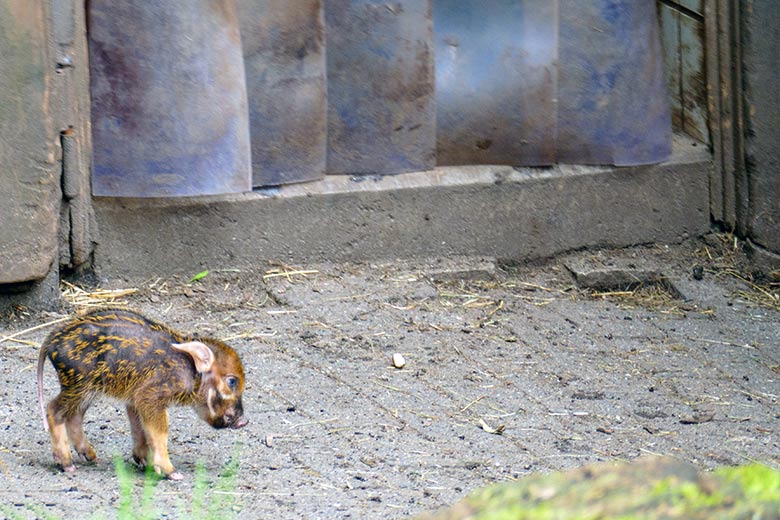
(496, 81)
(613, 107)
(535, 82)
(380, 86)
(366, 87)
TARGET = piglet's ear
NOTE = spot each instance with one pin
(200, 353)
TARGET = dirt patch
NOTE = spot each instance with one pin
(507, 373)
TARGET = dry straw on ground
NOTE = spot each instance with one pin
(653, 297)
(724, 256)
(82, 299)
(287, 272)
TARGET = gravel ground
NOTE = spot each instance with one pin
(508, 372)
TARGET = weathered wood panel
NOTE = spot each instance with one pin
(29, 176)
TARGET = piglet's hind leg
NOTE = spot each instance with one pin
(59, 435)
(75, 428)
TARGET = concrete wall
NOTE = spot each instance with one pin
(518, 214)
(761, 33)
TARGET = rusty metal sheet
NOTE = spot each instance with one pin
(169, 110)
(496, 81)
(284, 57)
(613, 107)
(381, 109)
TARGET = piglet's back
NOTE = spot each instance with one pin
(113, 350)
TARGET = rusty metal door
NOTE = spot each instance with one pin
(496, 81)
(380, 86)
(169, 108)
(284, 57)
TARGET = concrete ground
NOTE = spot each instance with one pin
(508, 371)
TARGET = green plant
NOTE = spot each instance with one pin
(224, 496)
(126, 509)
(204, 505)
(650, 488)
(9, 512)
(40, 512)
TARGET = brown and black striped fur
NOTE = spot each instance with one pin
(147, 365)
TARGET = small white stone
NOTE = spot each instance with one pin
(398, 360)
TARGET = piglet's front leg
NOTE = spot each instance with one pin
(154, 421)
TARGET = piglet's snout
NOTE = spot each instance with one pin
(239, 423)
(234, 418)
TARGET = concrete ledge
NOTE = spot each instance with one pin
(496, 211)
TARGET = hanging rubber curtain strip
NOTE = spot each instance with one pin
(533, 82)
(284, 53)
(381, 116)
(613, 104)
(496, 79)
(169, 109)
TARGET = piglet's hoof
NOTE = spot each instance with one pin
(69, 469)
(175, 476)
(139, 462)
(86, 457)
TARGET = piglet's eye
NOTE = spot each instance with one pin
(232, 382)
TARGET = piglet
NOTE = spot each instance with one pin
(149, 367)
